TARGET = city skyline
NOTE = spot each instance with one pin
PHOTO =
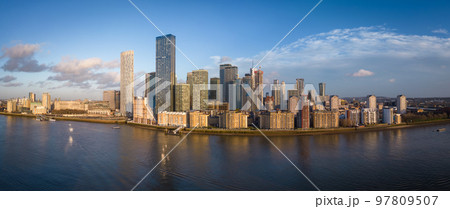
(392, 53)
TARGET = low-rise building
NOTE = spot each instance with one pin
(141, 112)
(233, 120)
(277, 120)
(11, 106)
(325, 119)
(198, 118)
(397, 118)
(172, 119)
(353, 116)
(71, 105)
(369, 116)
(39, 110)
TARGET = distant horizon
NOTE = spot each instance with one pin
(75, 54)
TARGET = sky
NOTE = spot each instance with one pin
(71, 49)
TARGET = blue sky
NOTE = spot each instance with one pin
(72, 48)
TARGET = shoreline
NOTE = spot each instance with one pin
(299, 132)
(250, 132)
(105, 121)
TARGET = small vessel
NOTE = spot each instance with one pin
(116, 127)
(38, 119)
(52, 120)
(71, 129)
(440, 130)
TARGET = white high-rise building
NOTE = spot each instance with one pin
(372, 101)
(369, 116)
(126, 82)
(401, 104)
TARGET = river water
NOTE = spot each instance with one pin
(38, 155)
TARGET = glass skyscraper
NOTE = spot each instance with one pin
(165, 73)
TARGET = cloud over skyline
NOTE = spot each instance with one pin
(331, 56)
(20, 58)
(80, 73)
(338, 57)
(7, 78)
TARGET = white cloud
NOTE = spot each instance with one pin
(362, 73)
(20, 58)
(20, 50)
(441, 31)
(80, 73)
(330, 56)
(392, 80)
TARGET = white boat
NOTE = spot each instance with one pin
(52, 120)
(71, 129)
(116, 127)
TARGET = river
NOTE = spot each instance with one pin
(38, 155)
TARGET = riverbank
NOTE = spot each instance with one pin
(253, 132)
(90, 120)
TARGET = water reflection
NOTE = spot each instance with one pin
(47, 156)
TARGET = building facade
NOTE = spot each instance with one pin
(353, 116)
(277, 120)
(322, 89)
(369, 116)
(294, 104)
(233, 120)
(198, 119)
(388, 115)
(200, 89)
(47, 102)
(334, 103)
(325, 119)
(182, 97)
(372, 102)
(126, 82)
(165, 73)
(113, 97)
(141, 113)
(401, 104)
(173, 119)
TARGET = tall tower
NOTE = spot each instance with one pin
(372, 102)
(257, 84)
(190, 82)
(214, 92)
(126, 82)
(222, 72)
(200, 89)
(150, 84)
(228, 74)
(321, 89)
(401, 104)
(165, 73)
(283, 97)
(182, 97)
(300, 86)
(32, 96)
(276, 93)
